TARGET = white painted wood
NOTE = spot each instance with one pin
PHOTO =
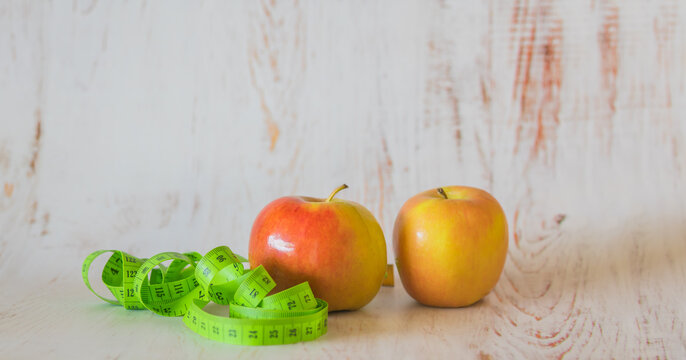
(159, 126)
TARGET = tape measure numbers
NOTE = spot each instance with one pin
(191, 281)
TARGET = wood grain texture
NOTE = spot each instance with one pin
(160, 126)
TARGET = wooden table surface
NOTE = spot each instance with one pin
(561, 294)
(166, 126)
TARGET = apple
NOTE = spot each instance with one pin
(336, 245)
(450, 245)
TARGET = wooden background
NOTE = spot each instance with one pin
(150, 126)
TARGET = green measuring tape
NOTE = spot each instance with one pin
(191, 281)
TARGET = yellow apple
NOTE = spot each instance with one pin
(450, 245)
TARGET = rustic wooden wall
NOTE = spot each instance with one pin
(152, 126)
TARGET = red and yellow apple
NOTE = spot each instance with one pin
(335, 245)
(450, 245)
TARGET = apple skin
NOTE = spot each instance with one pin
(450, 251)
(337, 246)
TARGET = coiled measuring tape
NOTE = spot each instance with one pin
(191, 281)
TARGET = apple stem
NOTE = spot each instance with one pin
(344, 186)
(442, 192)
